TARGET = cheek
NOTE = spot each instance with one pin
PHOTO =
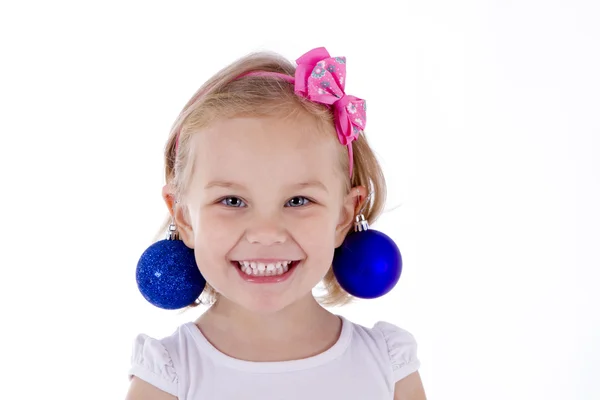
(218, 231)
(217, 224)
(214, 238)
(316, 233)
(215, 235)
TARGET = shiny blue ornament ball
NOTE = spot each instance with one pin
(167, 275)
(368, 264)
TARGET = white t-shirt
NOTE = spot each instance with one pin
(364, 364)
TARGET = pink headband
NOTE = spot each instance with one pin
(321, 78)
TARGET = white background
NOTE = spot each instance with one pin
(485, 115)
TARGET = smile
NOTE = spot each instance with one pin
(265, 272)
(264, 269)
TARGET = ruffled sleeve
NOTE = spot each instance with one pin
(151, 362)
(402, 350)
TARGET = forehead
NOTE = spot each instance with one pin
(270, 150)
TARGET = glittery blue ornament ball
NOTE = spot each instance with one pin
(368, 264)
(167, 275)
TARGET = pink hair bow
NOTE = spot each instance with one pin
(322, 78)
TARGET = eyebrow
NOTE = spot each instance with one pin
(233, 185)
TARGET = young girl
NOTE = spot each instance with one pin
(268, 176)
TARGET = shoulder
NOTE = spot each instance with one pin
(396, 346)
(156, 361)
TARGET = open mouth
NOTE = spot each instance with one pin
(259, 269)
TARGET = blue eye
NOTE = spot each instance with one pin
(236, 202)
(295, 203)
(232, 202)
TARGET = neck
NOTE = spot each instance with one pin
(299, 319)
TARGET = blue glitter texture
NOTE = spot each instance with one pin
(368, 264)
(167, 275)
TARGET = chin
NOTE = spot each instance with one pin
(269, 297)
(265, 303)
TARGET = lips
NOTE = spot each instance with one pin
(257, 268)
(265, 272)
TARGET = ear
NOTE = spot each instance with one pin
(180, 215)
(352, 204)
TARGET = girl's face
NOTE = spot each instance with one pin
(266, 190)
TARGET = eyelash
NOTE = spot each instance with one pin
(224, 201)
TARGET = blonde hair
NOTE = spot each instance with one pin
(224, 96)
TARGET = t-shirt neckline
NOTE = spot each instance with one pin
(273, 366)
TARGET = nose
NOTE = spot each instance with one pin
(266, 231)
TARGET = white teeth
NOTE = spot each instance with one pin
(264, 269)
